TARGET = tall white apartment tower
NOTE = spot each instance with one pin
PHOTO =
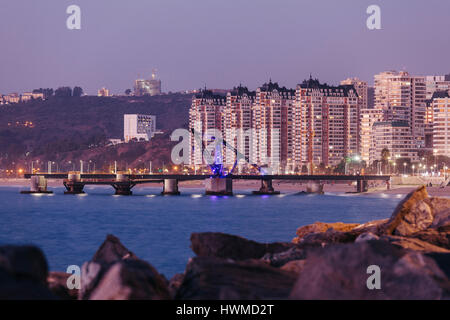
(441, 123)
(401, 97)
(237, 125)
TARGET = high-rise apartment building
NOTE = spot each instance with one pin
(361, 88)
(436, 83)
(367, 119)
(441, 123)
(282, 128)
(394, 136)
(237, 125)
(272, 124)
(205, 116)
(328, 126)
(401, 96)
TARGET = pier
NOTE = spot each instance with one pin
(124, 183)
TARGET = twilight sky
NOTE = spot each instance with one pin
(217, 43)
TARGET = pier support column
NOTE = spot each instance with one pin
(314, 187)
(123, 189)
(170, 187)
(266, 188)
(361, 186)
(73, 184)
(38, 184)
(219, 186)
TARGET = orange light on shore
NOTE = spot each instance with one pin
(20, 171)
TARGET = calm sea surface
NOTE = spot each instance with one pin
(69, 228)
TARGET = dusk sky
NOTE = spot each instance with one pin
(216, 43)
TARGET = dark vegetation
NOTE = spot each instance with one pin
(66, 125)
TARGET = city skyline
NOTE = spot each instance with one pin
(42, 52)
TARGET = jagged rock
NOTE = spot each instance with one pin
(110, 252)
(294, 266)
(22, 288)
(329, 237)
(441, 213)
(320, 227)
(221, 245)
(340, 272)
(281, 258)
(23, 273)
(412, 244)
(175, 283)
(57, 283)
(91, 272)
(411, 215)
(24, 261)
(435, 237)
(366, 236)
(212, 278)
(375, 227)
(129, 280)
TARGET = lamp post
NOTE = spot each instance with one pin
(435, 158)
(404, 167)
(413, 167)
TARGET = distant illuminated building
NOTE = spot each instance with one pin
(441, 123)
(394, 136)
(103, 92)
(139, 127)
(150, 87)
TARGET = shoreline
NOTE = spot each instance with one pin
(255, 185)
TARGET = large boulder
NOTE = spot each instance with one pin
(330, 236)
(175, 283)
(320, 227)
(282, 258)
(411, 215)
(441, 213)
(24, 261)
(23, 273)
(57, 283)
(209, 278)
(221, 245)
(131, 280)
(340, 272)
(110, 252)
(414, 243)
(435, 237)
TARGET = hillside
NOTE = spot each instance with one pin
(72, 127)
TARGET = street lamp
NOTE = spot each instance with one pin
(413, 167)
(404, 167)
(435, 158)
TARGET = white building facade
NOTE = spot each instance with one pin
(140, 127)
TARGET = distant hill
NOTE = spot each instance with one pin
(52, 129)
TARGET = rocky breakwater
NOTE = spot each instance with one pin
(411, 250)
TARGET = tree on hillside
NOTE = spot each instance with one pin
(48, 92)
(63, 92)
(77, 92)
